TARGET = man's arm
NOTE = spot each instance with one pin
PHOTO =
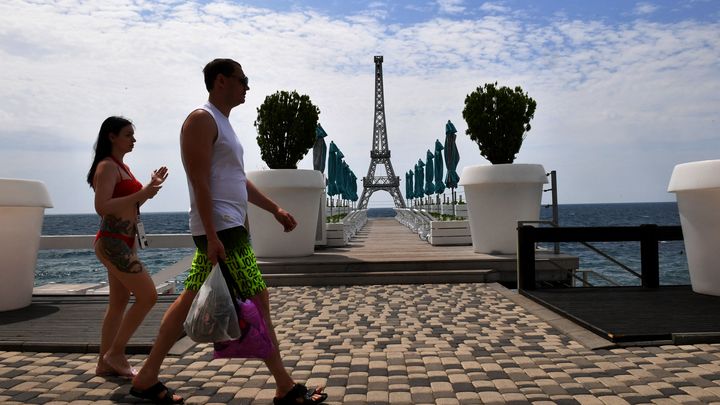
(256, 197)
(196, 143)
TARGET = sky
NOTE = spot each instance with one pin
(625, 90)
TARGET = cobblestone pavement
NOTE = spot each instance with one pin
(398, 344)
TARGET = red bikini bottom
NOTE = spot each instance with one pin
(129, 240)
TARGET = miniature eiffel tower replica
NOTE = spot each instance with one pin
(380, 153)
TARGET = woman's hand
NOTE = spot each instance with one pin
(156, 180)
(158, 176)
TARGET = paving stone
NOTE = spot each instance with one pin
(491, 397)
(404, 344)
(401, 398)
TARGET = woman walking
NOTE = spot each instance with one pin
(118, 197)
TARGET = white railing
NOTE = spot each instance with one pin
(340, 233)
(164, 279)
(417, 220)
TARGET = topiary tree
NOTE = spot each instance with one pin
(498, 120)
(286, 125)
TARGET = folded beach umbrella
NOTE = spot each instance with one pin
(419, 178)
(339, 180)
(408, 190)
(416, 173)
(413, 173)
(452, 157)
(319, 149)
(409, 185)
(346, 194)
(429, 173)
(353, 187)
(332, 169)
(340, 177)
(439, 185)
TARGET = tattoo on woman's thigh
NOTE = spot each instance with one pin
(121, 256)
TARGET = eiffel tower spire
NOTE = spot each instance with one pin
(380, 153)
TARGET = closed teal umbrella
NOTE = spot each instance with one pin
(332, 170)
(319, 149)
(353, 187)
(416, 173)
(340, 182)
(340, 171)
(410, 185)
(408, 194)
(419, 177)
(346, 181)
(439, 185)
(452, 157)
(429, 173)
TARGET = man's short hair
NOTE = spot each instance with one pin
(226, 67)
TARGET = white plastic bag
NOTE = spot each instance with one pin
(212, 316)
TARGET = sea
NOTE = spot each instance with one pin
(81, 266)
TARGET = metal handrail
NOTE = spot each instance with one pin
(612, 259)
(594, 273)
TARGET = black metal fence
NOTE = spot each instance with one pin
(648, 235)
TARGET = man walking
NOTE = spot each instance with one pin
(219, 194)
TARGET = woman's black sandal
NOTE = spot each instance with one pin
(153, 394)
(299, 394)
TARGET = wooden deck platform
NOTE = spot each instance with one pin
(71, 324)
(673, 314)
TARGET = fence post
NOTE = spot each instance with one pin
(526, 257)
(556, 216)
(649, 256)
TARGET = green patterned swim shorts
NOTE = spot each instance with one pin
(240, 260)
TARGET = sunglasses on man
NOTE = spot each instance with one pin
(242, 79)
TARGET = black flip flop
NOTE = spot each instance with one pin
(299, 394)
(153, 394)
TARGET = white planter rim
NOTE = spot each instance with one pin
(704, 174)
(503, 173)
(24, 193)
(288, 178)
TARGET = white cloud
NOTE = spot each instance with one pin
(451, 6)
(601, 88)
(494, 7)
(644, 8)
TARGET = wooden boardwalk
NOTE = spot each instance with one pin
(71, 324)
(386, 252)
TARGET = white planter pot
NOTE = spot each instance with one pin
(22, 206)
(320, 232)
(697, 188)
(296, 191)
(497, 197)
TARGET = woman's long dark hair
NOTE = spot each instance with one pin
(103, 146)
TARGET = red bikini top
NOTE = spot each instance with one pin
(125, 187)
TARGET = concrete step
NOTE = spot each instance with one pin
(381, 277)
(381, 264)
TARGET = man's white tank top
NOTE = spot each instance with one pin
(228, 183)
